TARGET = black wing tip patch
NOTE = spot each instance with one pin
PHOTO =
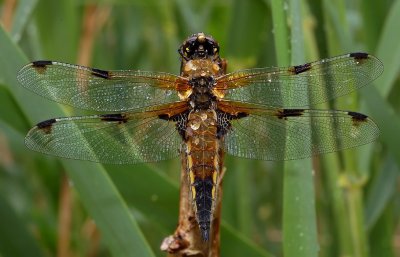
(115, 117)
(285, 113)
(41, 64)
(46, 125)
(359, 55)
(357, 117)
(101, 73)
(361, 58)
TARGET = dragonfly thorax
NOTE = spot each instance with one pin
(202, 97)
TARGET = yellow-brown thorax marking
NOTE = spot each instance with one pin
(198, 68)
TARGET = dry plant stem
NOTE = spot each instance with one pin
(94, 18)
(91, 234)
(186, 240)
(64, 219)
(8, 13)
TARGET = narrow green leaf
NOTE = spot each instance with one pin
(281, 34)
(10, 113)
(386, 118)
(381, 237)
(106, 206)
(382, 190)
(389, 50)
(21, 17)
(299, 219)
(236, 243)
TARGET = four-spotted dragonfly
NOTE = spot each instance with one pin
(202, 113)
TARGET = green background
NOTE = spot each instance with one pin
(340, 204)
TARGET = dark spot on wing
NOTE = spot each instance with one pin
(164, 117)
(239, 116)
(224, 121)
(300, 68)
(40, 66)
(46, 125)
(180, 120)
(357, 118)
(359, 56)
(284, 113)
(101, 73)
(117, 117)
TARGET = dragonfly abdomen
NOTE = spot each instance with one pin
(203, 165)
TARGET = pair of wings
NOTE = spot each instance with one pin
(275, 128)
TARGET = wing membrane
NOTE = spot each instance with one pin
(100, 90)
(111, 138)
(286, 134)
(301, 85)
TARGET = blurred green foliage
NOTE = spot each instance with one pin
(356, 191)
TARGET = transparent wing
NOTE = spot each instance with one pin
(110, 138)
(100, 90)
(301, 85)
(286, 134)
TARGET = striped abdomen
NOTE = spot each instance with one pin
(203, 165)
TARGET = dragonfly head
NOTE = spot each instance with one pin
(199, 46)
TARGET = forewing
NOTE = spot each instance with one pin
(100, 90)
(301, 85)
(110, 138)
(286, 134)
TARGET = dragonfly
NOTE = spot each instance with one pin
(201, 114)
